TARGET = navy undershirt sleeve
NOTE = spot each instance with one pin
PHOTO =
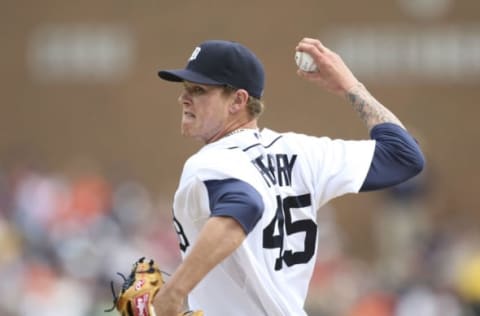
(397, 157)
(237, 199)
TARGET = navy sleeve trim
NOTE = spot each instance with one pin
(237, 199)
(397, 157)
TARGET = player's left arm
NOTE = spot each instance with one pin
(235, 208)
(219, 237)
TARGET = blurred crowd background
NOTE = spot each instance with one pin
(90, 152)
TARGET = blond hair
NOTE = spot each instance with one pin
(255, 106)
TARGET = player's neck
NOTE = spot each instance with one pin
(235, 128)
(241, 127)
(237, 131)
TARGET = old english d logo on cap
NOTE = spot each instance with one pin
(195, 53)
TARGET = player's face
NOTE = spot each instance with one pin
(205, 111)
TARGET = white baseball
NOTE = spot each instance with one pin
(305, 62)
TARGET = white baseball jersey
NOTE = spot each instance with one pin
(295, 175)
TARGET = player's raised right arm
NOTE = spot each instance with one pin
(334, 76)
(397, 156)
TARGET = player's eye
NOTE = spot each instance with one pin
(195, 90)
(198, 90)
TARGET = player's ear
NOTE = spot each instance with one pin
(240, 99)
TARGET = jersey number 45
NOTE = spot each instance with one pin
(282, 221)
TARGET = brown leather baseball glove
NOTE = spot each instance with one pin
(139, 290)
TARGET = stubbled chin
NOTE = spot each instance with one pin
(186, 129)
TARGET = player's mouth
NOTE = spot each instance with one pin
(187, 114)
(188, 117)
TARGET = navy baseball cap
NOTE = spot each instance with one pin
(223, 63)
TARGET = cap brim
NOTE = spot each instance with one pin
(179, 75)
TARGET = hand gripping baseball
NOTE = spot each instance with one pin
(332, 73)
(139, 289)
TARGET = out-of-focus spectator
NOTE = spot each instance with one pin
(375, 303)
(36, 202)
(10, 243)
(424, 300)
(468, 280)
(45, 292)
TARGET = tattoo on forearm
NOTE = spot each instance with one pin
(369, 109)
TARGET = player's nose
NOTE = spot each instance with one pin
(184, 98)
